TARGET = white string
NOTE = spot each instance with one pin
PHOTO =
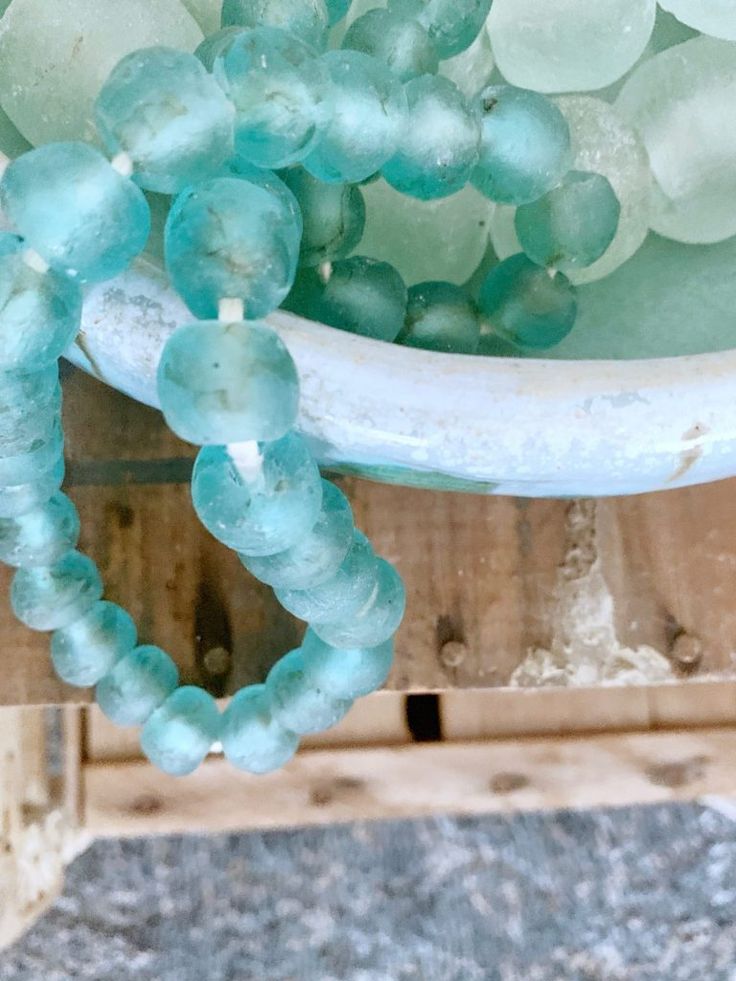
(123, 164)
(230, 308)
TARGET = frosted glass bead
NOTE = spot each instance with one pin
(346, 672)
(50, 597)
(369, 108)
(568, 45)
(30, 428)
(333, 215)
(39, 312)
(305, 19)
(399, 42)
(35, 390)
(258, 510)
(252, 739)
(27, 463)
(524, 145)
(716, 17)
(86, 650)
(471, 70)
(318, 555)
(336, 10)
(453, 25)
(228, 237)
(298, 704)
(341, 596)
(281, 94)
(527, 305)
(17, 499)
(170, 116)
(214, 44)
(137, 684)
(227, 382)
(179, 734)
(75, 210)
(440, 317)
(375, 622)
(41, 536)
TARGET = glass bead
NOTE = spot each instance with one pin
(336, 10)
(399, 42)
(305, 19)
(136, 685)
(524, 145)
(453, 25)
(163, 109)
(252, 739)
(228, 237)
(50, 597)
(261, 509)
(27, 463)
(369, 108)
(528, 305)
(333, 215)
(296, 703)
(281, 94)
(18, 499)
(214, 44)
(86, 650)
(41, 536)
(472, 69)
(375, 622)
(78, 213)
(440, 317)
(716, 17)
(179, 734)
(437, 152)
(346, 672)
(224, 382)
(317, 555)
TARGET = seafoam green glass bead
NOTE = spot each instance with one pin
(336, 10)
(296, 702)
(222, 382)
(228, 237)
(162, 108)
(305, 19)
(526, 304)
(87, 649)
(215, 43)
(17, 499)
(400, 42)
(23, 464)
(252, 738)
(437, 152)
(376, 621)
(453, 25)
(333, 215)
(258, 506)
(28, 401)
(137, 684)
(40, 536)
(440, 317)
(179, 734)
(524, 145)
(27, 426)
(369, 108)
(281, 93)
(318, 555)
(346, 672)
(50, 597)
(78, 213)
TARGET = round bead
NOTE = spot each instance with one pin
(87, 649)
(41, 536)
(453, 25)
(78, 213)
(296, 703)
(228, 237)
(526, 304)
(261, 509)
(399, 42)
(179, 734)
(26, 463)
(165, 111)
(375, 622)
(333, 215)
(346, 672)
(50, 597)
(440, 317)
(252, 739)
(135, 687)
(717, 17)
(215, 44)
(524, 145)
(369, 107)
(318, 555)
(18, 499)
(305, 19)
(227, 382)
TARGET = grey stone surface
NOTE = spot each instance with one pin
(639, 894)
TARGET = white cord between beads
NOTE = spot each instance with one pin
(35, 261)
(123, 164)
(4, 163)
(246, 456)
(230, 308)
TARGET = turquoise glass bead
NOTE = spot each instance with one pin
(41, 536)
(343, 594)
(260, 507)
(527, 305)
(137, 684)
(369, 108)
(227, 382)
(333, 216)
(572, 225)
(214, 44)
(524, 145)
(452, 25)
(317, 555)
(23, 464)
(399, 42)
(39, 312)
(86, 650)
(336, 10)
(346, 672)
(228, 237)
(305, 19)
(376, 621)
(298, 704)
(37, 426)
(179, 734)
(163, 109)
(78, 213)
(437, 153)
(441, 317)
(281, 93)
(252, 738)
(50, 597)
(18, 499)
